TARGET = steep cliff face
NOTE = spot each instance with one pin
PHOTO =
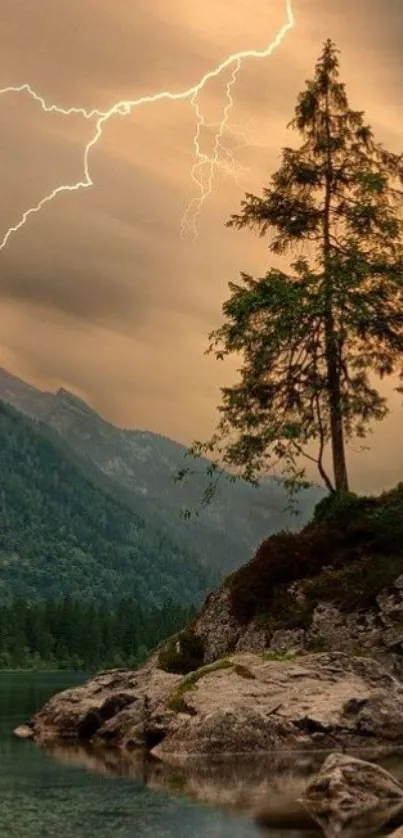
(376, 631)
(337, 585)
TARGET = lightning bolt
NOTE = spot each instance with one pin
(124, 108)
(205, 188)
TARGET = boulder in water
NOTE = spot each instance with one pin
(352, 797)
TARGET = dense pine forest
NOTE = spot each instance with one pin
(69, 634)
(62, 534)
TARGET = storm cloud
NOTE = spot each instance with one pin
(98, 292)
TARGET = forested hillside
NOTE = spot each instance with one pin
(142, 467)
(70, 634)
(62, 534)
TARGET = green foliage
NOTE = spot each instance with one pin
(182, 653)
(61, 533)
(135, 469)
(311, 339)
(177, 701)
(356, 585)
(347, 555)
(279, 656)
(339, 505)
(387, 518)
(69, 634)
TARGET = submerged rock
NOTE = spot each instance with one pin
(352, 797)
(245, 703)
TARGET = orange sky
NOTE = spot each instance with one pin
(98, 292)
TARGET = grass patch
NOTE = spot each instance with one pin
(177, 701)
(279, 656)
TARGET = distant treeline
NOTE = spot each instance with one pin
(69, 634)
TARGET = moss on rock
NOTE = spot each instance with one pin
(177, 701)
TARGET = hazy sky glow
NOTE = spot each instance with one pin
(98, 292)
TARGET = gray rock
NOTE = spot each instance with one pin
(247, 703)
(24, 732)
(351, 797)
(217, 627)
(254, 639)
(376, 632)
(114, 706)
(287, 640)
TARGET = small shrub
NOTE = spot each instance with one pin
(356, 585)
(262, 618)
(288, 612)
(183, 653)
(335, 507)
(388, 522)
(350, 551)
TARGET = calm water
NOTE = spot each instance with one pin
(43, 797)
(81, 793)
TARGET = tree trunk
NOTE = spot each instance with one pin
(336, 417)
(331, 349)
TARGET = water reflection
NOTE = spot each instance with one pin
(353, 798)
(268, 791)
(254, 788)
(41, 797)
(44, 793)
(366, 823)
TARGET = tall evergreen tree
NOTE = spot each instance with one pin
(313, 340)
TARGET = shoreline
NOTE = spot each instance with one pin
(49, 671)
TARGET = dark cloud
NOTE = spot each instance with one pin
(98, 292)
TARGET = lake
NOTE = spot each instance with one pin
(44, 797)
(79, 792)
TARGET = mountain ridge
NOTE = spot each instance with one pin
(142, 466)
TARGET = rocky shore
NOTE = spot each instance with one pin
(245, 703)
(260, 670)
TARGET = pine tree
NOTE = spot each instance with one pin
(313, 340)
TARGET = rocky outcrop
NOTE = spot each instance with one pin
(245, 703)
(376, 631)
(120, 706)
(352, 797)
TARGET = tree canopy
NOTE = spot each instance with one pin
(71, 634)
(62, 532)
(315, 339)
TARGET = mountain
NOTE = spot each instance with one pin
(63, 532)
(142, 466)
